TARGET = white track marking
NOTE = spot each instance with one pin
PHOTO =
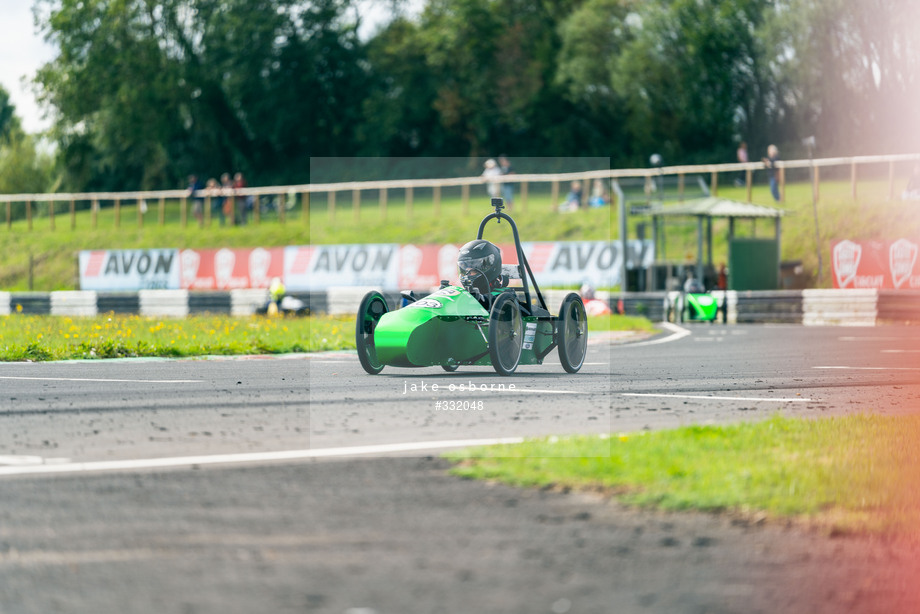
(102, 380)
(677, 332)
(714, 398)
(870, 338)
(900, 351)
(843, 368)
(252, 457)
(30, 460)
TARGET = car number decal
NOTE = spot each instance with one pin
(426, 302)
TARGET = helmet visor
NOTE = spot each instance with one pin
(469, 265)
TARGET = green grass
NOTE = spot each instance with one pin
(39, 338)
(855, 473)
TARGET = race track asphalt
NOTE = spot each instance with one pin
(388, 530)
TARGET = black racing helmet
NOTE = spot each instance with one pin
(480, 257)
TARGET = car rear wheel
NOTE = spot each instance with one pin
(572, 333)
(506, 333)
(372, 308)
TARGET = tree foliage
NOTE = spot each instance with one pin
(147, 91)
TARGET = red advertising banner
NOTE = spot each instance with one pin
(889, 265)
(228, 269)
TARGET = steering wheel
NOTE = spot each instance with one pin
(479, 284)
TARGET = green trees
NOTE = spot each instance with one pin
(24, 168)
(147, 91)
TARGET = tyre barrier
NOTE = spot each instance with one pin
(850, 307)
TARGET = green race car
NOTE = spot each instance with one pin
(483, 321)
(694, 303)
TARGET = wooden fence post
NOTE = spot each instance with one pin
(356, 203)
(383, 203)
(437, 201)
(891, 180)
(524, 196)
(94, 213)
(554, 195)
(465, 198)
(162, 211)
(749, 183)
(853, 179)
(782, 184)
(680, 187)
(305, 204)
(73, 214)
(256, 209)
(51, 213)
(117, 212)
(29, 213)
(409, 195)
(9, 215)
(331, 206)
(816, 185)
(714, 184)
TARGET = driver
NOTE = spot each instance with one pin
(693, 285)
(480, 265)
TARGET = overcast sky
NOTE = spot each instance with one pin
(22, 51)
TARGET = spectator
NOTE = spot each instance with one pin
(212, 189)
(227, 201)
(507, 188)
(492, 171)
(194, 185)
(245, 201)
(599, 196)
(572, 200)
(742, 155)
(770, 162)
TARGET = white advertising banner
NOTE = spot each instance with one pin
(319, 267)
(129, 269)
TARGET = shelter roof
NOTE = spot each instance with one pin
(713, 206)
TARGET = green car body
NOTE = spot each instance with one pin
(449, 327)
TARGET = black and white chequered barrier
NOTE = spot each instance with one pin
(809, 307)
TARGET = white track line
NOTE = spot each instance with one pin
(94, 379)
(251, 457)
(714, 398)
(677, 332)
(870, 368)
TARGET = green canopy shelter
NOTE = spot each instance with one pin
(754, 263)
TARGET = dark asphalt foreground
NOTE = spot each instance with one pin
(400, 535)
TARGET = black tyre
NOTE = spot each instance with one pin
(450, 368)
(572, 333)
(680, 308)
(372, 308)
(506, 333)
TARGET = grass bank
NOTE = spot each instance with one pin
(39, 338)
(852, 474)
(53, 251)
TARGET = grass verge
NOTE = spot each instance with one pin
(847, 474)
(40, 338)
